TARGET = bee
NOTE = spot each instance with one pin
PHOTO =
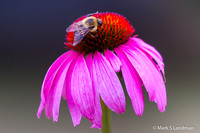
(83, 27)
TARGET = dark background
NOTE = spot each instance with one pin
(32, 36)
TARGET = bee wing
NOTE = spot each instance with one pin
(79, 34)
(73, 26)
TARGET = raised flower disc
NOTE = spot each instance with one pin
(88, 71)
(115, 30)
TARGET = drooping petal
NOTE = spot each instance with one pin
(53, 98)
(50, 75)
(57, 89)
(108, 84)
(148, 47)
(151, 78)
(40, 109)
(58, 85)
(81, 88)
(149, 50)
(98, 112)
(113, 59)
(133, 83)
(74, 111)
(49, 105)
(48, 80)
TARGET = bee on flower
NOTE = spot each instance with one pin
(99, 46)
(81, 28)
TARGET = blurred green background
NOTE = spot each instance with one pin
(32, 36)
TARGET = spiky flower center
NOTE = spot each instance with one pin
(115, 30)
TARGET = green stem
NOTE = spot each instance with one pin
(106, 118)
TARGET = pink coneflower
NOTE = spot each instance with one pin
(89, 70)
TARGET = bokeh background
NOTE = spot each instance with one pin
(32, 36)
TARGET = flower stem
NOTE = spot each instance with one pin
(106, 118)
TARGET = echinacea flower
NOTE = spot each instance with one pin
(89, 71)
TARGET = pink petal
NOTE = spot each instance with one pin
(151, 78)
(40, 109)
(58, 84)
(81, 88)
(149, 50)
(113, 59)
(147, 47)
(49, 105)
(133, 83)
(52, 72)
(74, 111)
(53, 99)
(108, 84)
(48, 80)
(98, 112)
